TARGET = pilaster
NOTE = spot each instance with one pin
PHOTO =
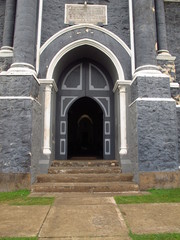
(25, 37)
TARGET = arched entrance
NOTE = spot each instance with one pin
(85, 129)
(85, 112)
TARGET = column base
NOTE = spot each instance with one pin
(22, 69)
(6, 52)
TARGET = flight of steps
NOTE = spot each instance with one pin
(85, 176)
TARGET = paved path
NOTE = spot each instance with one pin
(78, 217)
(81, 217)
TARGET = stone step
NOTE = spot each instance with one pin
(84, 177)
(85, 170)
(85, 187)
(80, 163)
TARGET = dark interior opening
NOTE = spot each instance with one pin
(85, 129)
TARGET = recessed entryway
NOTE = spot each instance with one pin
(85, 129)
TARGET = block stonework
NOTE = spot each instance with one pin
(2, 13)
(118, 17)
(19, 86)
(150, 87)
(172, 11)
(157, 143)
(5, 63)
(20, 131)
(178, 120)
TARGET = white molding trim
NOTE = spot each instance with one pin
(172, 1)
(82, 42)
(91, 26)
(49, 81)
(21, 68)
(131, 25)
(174, 85)
(39, 34)
(6, 52)
(124, 83)
(153, 100)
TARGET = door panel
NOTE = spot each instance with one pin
(84, 80)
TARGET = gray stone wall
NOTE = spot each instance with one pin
(178, 121)
(118, 17)
(5, 63)
(172, 11)
(19, 86)
(15, 136)
(20, 129)
(36, 138)
(2, 13)
(157, 136)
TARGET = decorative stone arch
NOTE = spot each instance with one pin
(83, 42)
(119, 84)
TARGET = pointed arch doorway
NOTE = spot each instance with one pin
(85, 129)
(85, 112)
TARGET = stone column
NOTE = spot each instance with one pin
(145, 34)
(8, 33)
(161, 27)
(25, 36)
(47, 119)
(165, 61)
(123, 130)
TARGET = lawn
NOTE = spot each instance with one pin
(19, 238)
(155, 196)
(163, 236)
(20, 197)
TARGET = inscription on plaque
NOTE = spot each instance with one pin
(84, 13)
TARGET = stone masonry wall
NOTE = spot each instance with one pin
(178, 121)
(172, 11)
(2, 12)
(118, 17)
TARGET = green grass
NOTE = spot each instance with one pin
(163, 236)
(155, 196)
(19, 238)
(20, 197)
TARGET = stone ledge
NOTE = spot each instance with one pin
(149, 180)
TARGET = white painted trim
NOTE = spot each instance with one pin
(107, 128)
(49, 81)
(178, 106)
(121, 83)
(174, 85)
(63, 110)
(153, 100)
(21, 68)
(91, 26)
(172, 1)
(107, 141)
(91, 87)
(79, 87)
(19, 98)
(131, 24)
(62, 146)
(107, 112)
(82, 42)
(39, 35)
(6, 52)
(16, 97)
(18, 73)
(165, 56)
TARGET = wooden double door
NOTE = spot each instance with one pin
(85, 112)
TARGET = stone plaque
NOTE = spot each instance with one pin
(84, 13)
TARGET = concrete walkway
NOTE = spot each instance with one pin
(83, 216)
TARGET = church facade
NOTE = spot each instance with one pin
(97, 79)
